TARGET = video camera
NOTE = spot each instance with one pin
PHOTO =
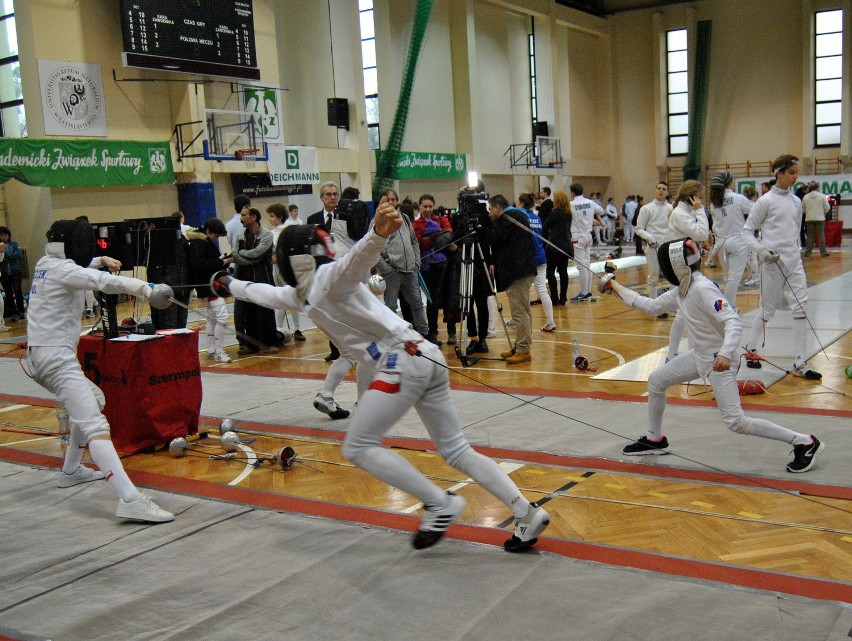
(473, 206)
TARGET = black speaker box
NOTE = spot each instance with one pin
(338, 113)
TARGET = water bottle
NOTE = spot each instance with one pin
(575, 350)
(62, 419)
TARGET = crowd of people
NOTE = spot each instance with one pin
(332, 269)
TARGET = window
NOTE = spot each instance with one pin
(828, 77)
(371, 78)
(533, 91)
(677, 90)
(13, 121)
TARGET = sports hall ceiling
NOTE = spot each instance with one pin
(609, 7)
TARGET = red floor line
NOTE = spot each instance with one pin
(746, 577)
(540, 391)
(562, 460)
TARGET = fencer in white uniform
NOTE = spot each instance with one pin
(778, 216)
(729, 211)
(57, 296)
(652, 226)
(585, 214)
(714, 333)
(397, 370)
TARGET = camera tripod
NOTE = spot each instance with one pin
(471, 252)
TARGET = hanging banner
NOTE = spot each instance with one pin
(416, 165)
(259, 186)
(85, 163)
(72, 98)
(828, 183)
(293, 165)
(265, 103)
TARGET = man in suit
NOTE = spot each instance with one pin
(329, 195)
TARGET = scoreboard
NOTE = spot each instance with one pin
(209, 37)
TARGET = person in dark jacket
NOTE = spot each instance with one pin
(513, 253)
(204, 261)
(557, 230)
(11, 274)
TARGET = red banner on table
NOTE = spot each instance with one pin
(152, 387)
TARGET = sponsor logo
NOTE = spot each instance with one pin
(159, 379)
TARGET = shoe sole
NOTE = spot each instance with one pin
(811, 464)
(97, 476)
(144, 519)
(656, 452)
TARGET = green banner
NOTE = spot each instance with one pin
(85, 163)
(412, 165)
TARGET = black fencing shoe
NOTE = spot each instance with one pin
(804, 456)
(646, 446)
(803, 371)
(527, 529)
(436, 521)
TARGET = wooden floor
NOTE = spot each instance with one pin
(703, 520)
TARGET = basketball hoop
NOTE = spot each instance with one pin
(248, 156)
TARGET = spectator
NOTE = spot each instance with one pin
(525, 201)
(816, 208)
(253, 260)
(513, 253)
(11, 275)
(399, 265)
(234, 227)
(584, 214)
(204, 261)
(557, 230)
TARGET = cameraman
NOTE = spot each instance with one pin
(514, 264)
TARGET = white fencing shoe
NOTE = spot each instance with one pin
(143, 509)
(327, 405)
(82, 474)
(436, 521)
(527, 529)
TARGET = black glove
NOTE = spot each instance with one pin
(220, 283)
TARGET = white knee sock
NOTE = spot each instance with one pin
(106, 458)
(74, 453)
(490, 476)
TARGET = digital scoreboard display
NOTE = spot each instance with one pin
(209, 37)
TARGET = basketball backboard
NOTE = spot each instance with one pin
(234, 135)
(548, 152)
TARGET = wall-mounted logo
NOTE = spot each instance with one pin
(72, 98)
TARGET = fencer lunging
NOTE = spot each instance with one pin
(714, 332)
(397, 369)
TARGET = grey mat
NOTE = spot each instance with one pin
(226, 572)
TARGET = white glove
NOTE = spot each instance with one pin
(768, 256)
(652, 242)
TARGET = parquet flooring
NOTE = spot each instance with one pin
(738, 526)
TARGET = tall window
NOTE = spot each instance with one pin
(828, 77)
(371, 78)
(533, 92)
(677, 89)
(13, 121)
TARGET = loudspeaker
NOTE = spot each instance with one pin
(338, 113)
(540, 129)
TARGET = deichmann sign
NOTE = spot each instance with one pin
(85, 163)
(293, 165)
(412, 165)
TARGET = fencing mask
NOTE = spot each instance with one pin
(678, 259)
(78, 239)
(300, 249)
